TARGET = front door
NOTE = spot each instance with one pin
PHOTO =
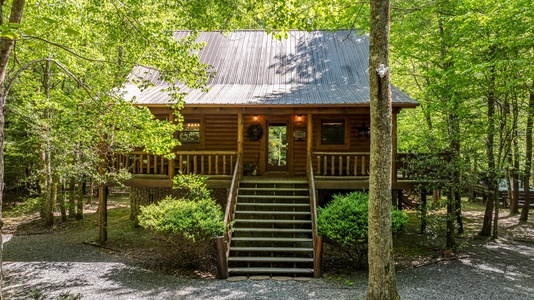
(277, 146)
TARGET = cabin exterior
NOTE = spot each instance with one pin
(281, 118)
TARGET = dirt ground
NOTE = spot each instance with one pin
(157, 253)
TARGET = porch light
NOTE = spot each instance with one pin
(298, 119)
(255, 118)
(363, 131)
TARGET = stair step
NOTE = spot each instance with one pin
(277, 221)
(270, 249)
(264, 181)
(272, 239)
(271, 270)
(251, 189)
(275, 230)
(273, 212)
(274, 204)
(270, 259)
(273, 197)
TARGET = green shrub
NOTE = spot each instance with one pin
(343, 222)
(190, 223)
(195, 220)
(193, 184)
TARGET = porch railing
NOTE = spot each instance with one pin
(341, 163)
(206, 162)
(210, 163)
(139, 162)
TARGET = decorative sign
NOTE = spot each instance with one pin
(299, 134)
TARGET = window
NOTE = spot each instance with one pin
(333, 132)
(191, 132)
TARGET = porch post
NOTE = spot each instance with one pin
(170, 171)
(394, 146)
(309, 144)
(240, 143)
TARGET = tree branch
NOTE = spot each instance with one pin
(27, 65)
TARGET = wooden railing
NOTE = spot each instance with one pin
(317, 241)
(341, 163)
(206, 162)
(223, 243)
(139, 162)
(211, 163)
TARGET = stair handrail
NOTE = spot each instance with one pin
(317, 241)
(230, 206)
(223, 242)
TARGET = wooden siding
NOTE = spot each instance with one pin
(219, 133)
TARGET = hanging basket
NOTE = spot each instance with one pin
(255, 132)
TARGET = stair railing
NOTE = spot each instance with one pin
(223, 242)
(317, 240)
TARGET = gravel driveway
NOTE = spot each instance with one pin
(53, 265)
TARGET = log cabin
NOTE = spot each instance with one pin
(284, 123)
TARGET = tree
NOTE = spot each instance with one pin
(528, 163)
(6, 46)
(382, 281)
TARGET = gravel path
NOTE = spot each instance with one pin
(53, 265)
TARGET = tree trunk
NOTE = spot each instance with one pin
(46, 157)
(6, 46)
(79, 202)
(55, 195)
(91, 191)
(102, 214)
(450, 221)
(72, 198)
(458, 212)
(528, 159)
(488, 215)
(62, 201)
(514, 201)
(382, 281)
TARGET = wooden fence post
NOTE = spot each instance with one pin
(318, 257)
(222, 260)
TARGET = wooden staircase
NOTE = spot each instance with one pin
(272, 229)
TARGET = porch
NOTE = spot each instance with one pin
(331, 170)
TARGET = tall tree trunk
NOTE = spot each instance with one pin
(46, 159)
(6, 46)
(102, 213)
(528, 158)
(490, 133)
(72, 198)
(63, 200)
(79, 202)
(458, 211)
(382, 281)
(102, 197)
(514, 202)
(91, 191)
(450, 221)
(54, 192)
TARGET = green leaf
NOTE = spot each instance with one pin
(30, 32)
(71, 31)
(15, 25)
(48, 20)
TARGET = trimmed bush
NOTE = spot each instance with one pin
(190, 223)
(195, 220)
(343, 222)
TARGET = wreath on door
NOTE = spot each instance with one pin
(255, 132)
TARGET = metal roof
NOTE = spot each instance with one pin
(253, 68)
